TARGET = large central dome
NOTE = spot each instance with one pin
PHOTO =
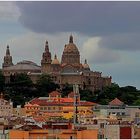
(71, 47)
(70, 54)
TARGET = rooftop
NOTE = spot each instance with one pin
(116, 101)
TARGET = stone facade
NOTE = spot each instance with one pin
(70, 70)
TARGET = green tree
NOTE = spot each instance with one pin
(2, 81)
(128, 89)
(108, 93)
(20, 90)
(137, 102)
(129, 94)
(22, 79)
(45, 85)
(87, 95)
(67, 88)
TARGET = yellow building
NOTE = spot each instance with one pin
(56, 106)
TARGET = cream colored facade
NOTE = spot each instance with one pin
(6, 107)
(112, 131)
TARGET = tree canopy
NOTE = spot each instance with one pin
(128, 94)
(45, 85)
(2, 81)
(21, 89)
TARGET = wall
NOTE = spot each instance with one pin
(125, 132)
(112, 131)
(18, 134)
(87, 134)
(136, 132)
(38, 134)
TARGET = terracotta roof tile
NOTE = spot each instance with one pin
(71, 95)
(116, 101)
(54, 94)
(67, 100)
(60, 101)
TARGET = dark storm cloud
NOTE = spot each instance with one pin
(129, 41)
(91, 18)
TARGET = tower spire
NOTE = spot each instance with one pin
(71, 39)
(7, 58)
(46, 57)
(46, 47)
(85, 61)
(55, 56)
(7, 50)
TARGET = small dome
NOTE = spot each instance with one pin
(24, 66)
(85, 65)
(55, 61)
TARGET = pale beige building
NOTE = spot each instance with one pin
(6, 107)
(19, 111)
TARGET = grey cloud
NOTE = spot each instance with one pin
(92, 18)
(8, 11)
(130, 42)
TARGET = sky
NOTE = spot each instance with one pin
(107, 34)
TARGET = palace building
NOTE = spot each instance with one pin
(68, 70)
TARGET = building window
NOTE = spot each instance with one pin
(65, 111)
(101, 125)
(123, 113)
(89, 81)
(137, 114)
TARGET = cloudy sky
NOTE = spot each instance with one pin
(106, 33)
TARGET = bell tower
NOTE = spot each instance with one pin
(46, 60)
(7, 58)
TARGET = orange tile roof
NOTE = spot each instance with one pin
(60, 101)
(39, 119)
(87, 103)
(28, 104)
(54, 94)
(67, 100)
(71, 94)
(116, 101)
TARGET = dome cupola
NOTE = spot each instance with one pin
(71, 53)
(55, 61)
(85, 65)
